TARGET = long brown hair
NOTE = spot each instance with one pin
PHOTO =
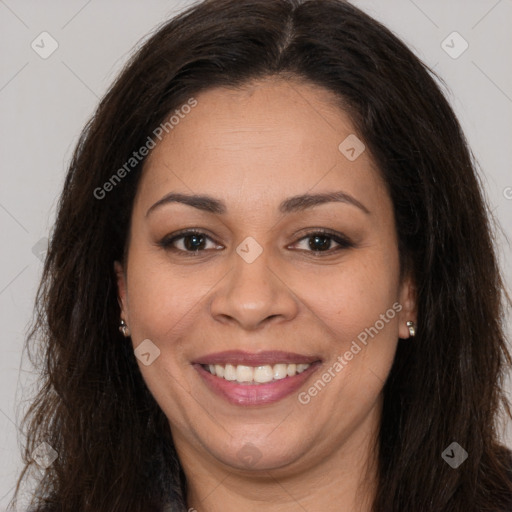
(115, 452)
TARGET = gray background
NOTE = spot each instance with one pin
(46, 102)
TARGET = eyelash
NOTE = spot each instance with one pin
(342, 241)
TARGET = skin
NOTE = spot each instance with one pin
(253, 148)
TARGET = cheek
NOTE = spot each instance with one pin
(351, 296)
(160, 298)
(356, 306)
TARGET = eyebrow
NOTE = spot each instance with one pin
(292, 204)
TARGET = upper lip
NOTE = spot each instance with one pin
(270, 357)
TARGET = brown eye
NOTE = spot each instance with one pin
(185, 242)
(321, 242)
(192, 242)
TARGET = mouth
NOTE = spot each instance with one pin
(255, 379)
(254, 375)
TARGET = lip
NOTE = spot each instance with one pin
(270, 357)
(255, 394)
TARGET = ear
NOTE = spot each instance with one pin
(408, 301)
(121, 290)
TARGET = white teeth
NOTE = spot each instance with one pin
(263, 374)
(229, 372)
(280, 371)
(256, 375)
(244, 373)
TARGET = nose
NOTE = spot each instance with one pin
(254, 294)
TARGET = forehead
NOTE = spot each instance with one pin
(269, 139)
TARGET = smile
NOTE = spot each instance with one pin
(256, 375)
(248, 379)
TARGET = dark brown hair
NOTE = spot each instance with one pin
(115, 452)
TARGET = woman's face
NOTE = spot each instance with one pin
(299, 327)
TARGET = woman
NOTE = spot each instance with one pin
(271, 283)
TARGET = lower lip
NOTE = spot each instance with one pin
(255, 394)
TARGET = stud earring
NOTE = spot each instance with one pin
(124, 328)
(412, 329)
